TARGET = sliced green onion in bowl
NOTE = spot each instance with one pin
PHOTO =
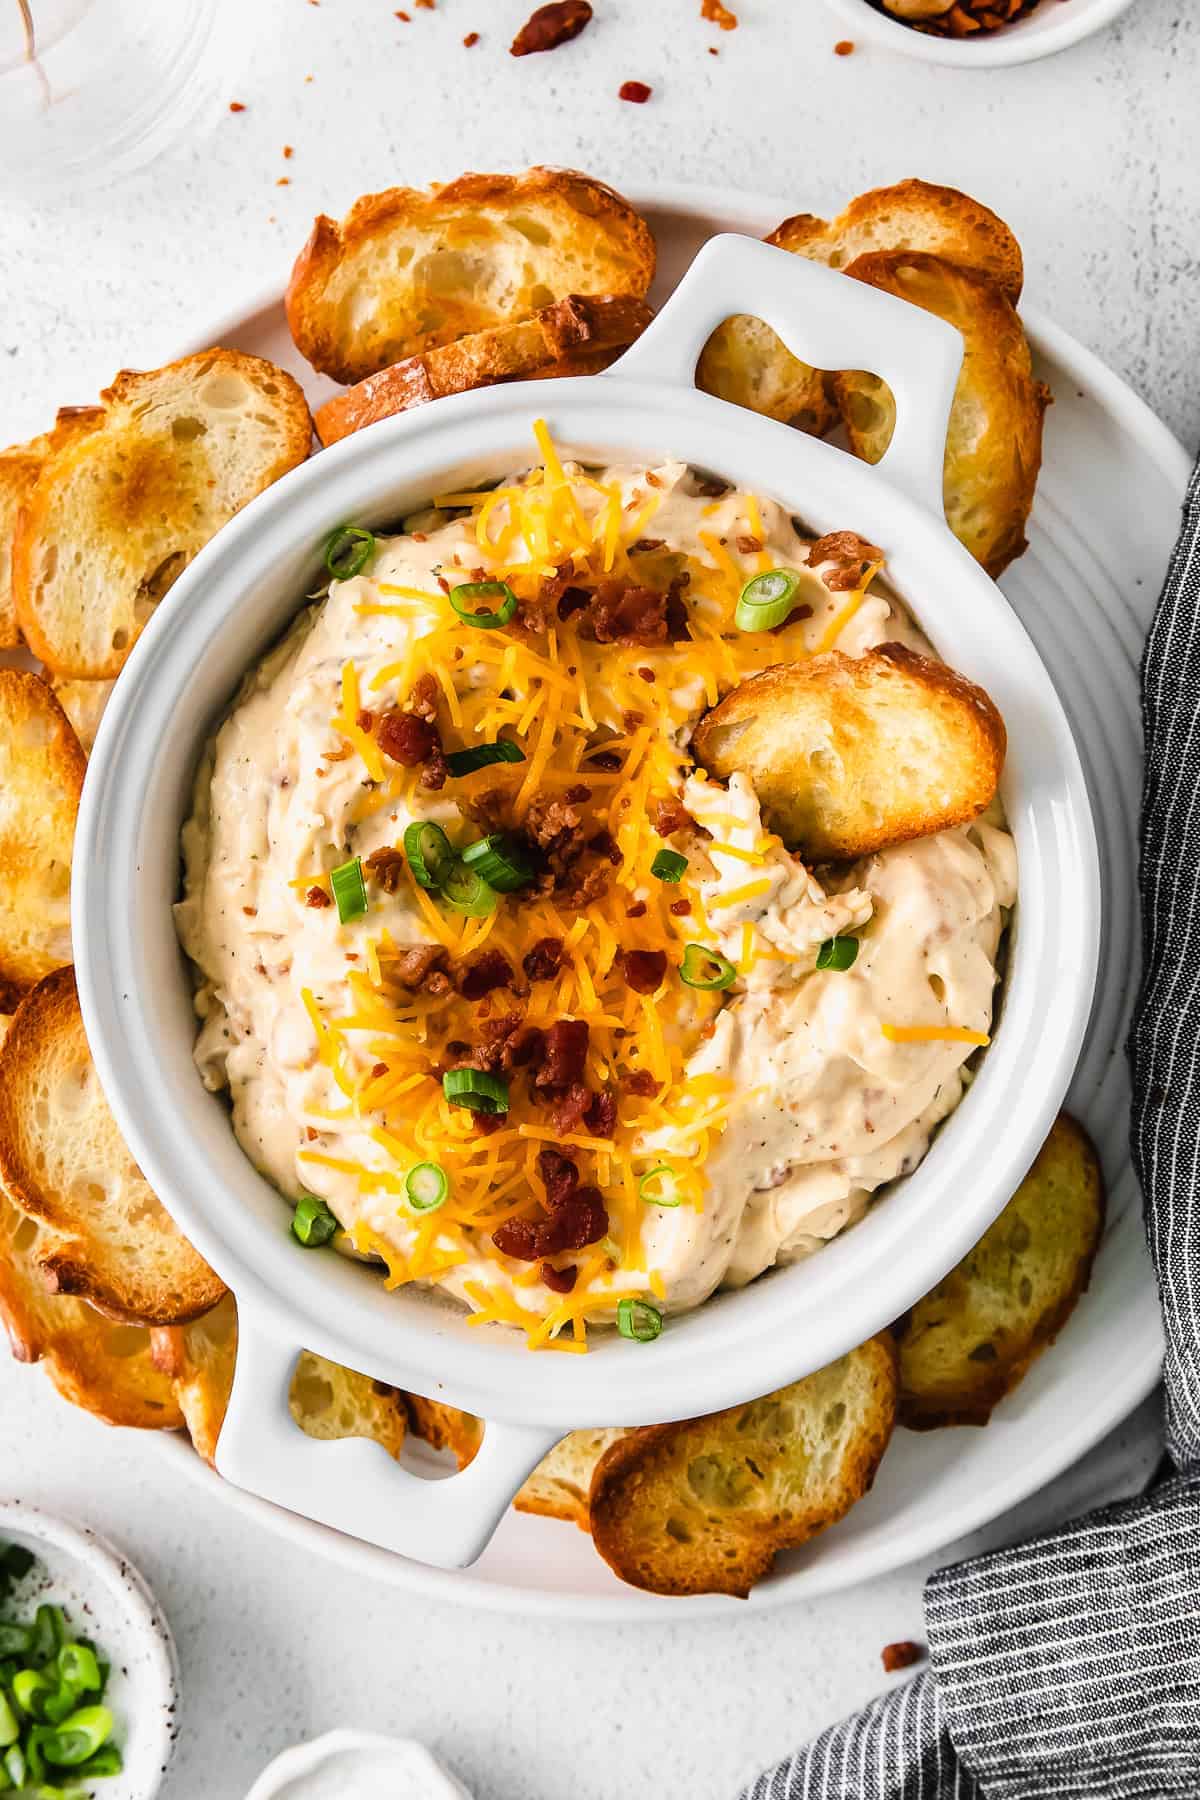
(78, 1737)
(837, 953)
(706, 969)
(465, 891)
(766, 600)
(429, 852)
(660, 1186)
(463, 599)
(476, 1089)
(10, 1725)
(29, 1689)
(312, 1222)
(639, 1320)
(481, 756)
(668, 865)
(427, 1187)
(78, 1666)
(500, 861)
(349, 890)
(348, 550)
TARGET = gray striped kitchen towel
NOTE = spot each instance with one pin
(1070, 1666)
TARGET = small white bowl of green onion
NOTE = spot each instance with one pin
(88, 1674)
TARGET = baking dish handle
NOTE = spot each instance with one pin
(353, 1484)
(830, 322)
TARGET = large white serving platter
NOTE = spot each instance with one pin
(1106, 517)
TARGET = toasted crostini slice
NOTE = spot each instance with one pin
(326, 1400)
(971, 1340)
(141, 484)
(41, 776)
(103, 1367)
(704, 1507)
(994, 444)
(20, 467)
(64, 1162)
(560, 1486)
(746, 362)
(409, 269)
(555, 340)
(444, 1427)
(84, 703)
(850, 754)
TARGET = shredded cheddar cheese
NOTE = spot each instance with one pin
(560, 696)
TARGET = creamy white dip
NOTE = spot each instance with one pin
(826, 1109)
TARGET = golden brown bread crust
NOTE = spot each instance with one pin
(746, 363)
(972, 1339)
(42, 767)
(566, 338)
(911, 215)
(851, 754)
(444, 1427)
(448, 215)
(64, 1163)
(132, 489)
(706, 1505)
(994, 444)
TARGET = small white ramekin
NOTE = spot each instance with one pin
(219, 618)
(1053, 26)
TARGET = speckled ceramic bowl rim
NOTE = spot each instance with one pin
(1040, 34)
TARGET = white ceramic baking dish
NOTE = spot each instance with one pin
(135, 989)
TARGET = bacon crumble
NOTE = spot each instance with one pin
(850, 555)
(550, 26)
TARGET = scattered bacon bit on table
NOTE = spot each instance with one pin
(635, 91)
(236, 106)
(551, 26)
(405, 17)
(288, 152)
(901, 1656)
(470, 41)
(717, 14)
(843, 48)
(284, 181)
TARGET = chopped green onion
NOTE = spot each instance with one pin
(10, 1728)
(106, 1761)
(29, 1686)
(706, 969)
(312, 1222)
(427, 1187)
(638, 1320)
(57, 1706)
(660, 1186)
(15, 1766)
(349, 890)
(476, 1089)
(429, 852)
(466, 891)
(498, 859)
(462, 600)
(77, 1663)
(78, 1737)
(480, 756)
(348, 550)
(837, 953)
(668, 865)
(766, 600)
(49, 1632)
(15, 1640)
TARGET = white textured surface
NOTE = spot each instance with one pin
(1091, 157)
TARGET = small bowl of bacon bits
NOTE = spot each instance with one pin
(989, 34)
